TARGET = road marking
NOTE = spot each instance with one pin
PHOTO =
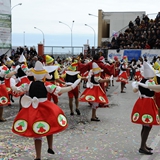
(153, 145)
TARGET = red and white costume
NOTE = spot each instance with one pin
(3, 91)
(145, 110)
(123, 77)
(94, 93)
(38, 117)
(139, 71)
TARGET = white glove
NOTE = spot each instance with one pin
(134, 85)
(74, 85)
(17, 89)
(142, 85)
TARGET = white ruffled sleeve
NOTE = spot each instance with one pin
(25, 87)
(97, 79)
(51, 88)
(21, 89)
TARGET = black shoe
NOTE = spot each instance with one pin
(37, 159)
(145, 152)
(95, 119)
(71, 113)
(78, 112)
(150, 149)
(3, 120)
(50, 151)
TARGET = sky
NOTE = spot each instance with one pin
(46, 14)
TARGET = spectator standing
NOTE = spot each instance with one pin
(131, 25)
(138, 21)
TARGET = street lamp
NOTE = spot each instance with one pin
(42, 33)
(94, 33)
(16, 5)
(11, 19)
(71, 28)
(92, 15)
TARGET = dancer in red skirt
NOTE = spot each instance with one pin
(40, 117)
(94, 94)
(138, 74)
(123, 77)
(55, 78)
(145, 110)
(4, 96)
(117, 64)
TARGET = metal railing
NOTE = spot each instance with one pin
(63, 51)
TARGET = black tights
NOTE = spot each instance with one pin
(122, 86)
(144, 136)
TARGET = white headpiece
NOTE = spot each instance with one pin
(39, 71)
(148, 71)
(22, 58)
(95, 68)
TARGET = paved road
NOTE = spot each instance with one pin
(113, 138)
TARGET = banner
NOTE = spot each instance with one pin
(113, 53)
(5, 26)
(150, 54)
(132, 54)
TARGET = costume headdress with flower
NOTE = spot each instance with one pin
(156, 66)
(73, 66)
(48, 59)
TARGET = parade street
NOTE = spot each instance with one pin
(115, 137)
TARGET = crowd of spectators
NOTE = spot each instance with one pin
(143, 33)
(30, 54)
